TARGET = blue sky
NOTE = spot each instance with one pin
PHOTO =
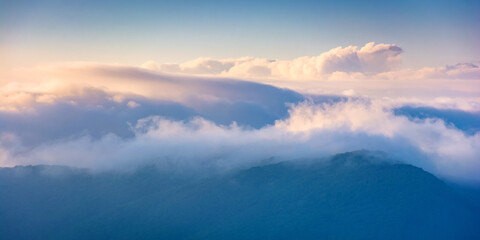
(432, 33)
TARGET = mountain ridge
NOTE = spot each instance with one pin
(354, 195)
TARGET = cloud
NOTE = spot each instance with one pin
(370, 58)
(48, 82)
(370, 71)
(107, 116)
(312, 131)
(466, 71)
(72, 79)
(133, 104)
(95, 99)
(466, 121)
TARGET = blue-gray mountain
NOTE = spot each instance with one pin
(357, 195)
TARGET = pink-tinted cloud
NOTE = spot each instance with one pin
(371, 58)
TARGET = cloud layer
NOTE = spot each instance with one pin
(377, 61)
(371, 58)
(312, 131)
(110, 116)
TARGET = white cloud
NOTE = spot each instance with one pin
(132, 104)
(459, 84)
(349, 92)
(351, 63)
(465, 71)
(370, 58)
(312, 131)
(82, 98)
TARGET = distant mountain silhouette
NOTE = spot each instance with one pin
(356, 195)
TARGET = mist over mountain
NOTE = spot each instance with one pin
(243, 119)
(468, 122)
(354, 195)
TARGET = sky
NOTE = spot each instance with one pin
(432, 33)
(211, 86)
